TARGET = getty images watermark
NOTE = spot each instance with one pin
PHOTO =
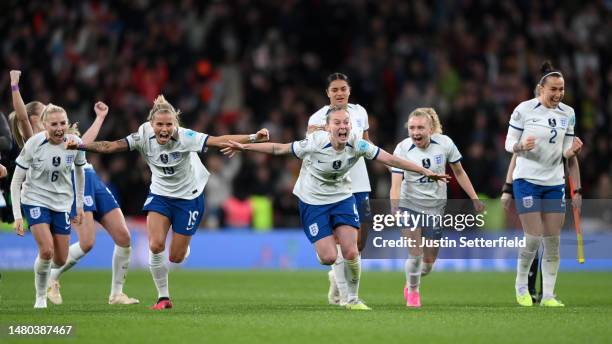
(410, 221)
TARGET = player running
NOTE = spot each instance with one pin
(99, 203)
(338, 91)
(541, 133)
(43, 182)
(176, 196)
(426, 145)
(327, 206)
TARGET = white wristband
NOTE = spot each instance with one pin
(253, 138)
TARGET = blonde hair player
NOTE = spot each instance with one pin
(42, 181)
(338, 91)
(541, 133)
(176, 197)
(327, 206)
(99, 203)
(413, 193)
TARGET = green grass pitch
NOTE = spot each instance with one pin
(291, 307)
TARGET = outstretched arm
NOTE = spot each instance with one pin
(21, 115)
(105, 147)
(90, 135)
(232, 147)
(219, 141)
(394, 161)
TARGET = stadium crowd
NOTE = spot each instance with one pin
(239, 65)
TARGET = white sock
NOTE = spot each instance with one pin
(340, 274)
(525, 258)
(42, 267)
(413, 268)
(121, 261)
(550, 265)
(159, 271)
(74, 254)
(353, 272)
(426, 269)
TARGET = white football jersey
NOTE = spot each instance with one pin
(176, 168)
(418, 192)
(359, 122)
(324, 174)
(49, 167)
(553, 130)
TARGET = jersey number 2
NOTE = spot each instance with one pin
(554, 136)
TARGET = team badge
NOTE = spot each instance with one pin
(426, 163)
(69, 159)
(88, 201)
(438, 159)
(35, 213)
(563, 122)
(313, 229)
(135, 137)
(359, 123)
(337, 164)
(164, 158)
(552, 122)
(528, 201)
(175, 155)
(56, 161)
(516, 116)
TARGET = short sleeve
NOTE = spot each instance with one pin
(517, 120)
(25, 156)
(136, 140)
(367, 149)
(364, 116)
(318, 118)
(301, 148)
(192, 140)
(398, 152)
(453, 156)
(571, 124)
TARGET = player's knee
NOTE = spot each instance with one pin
(59, 261)
(157, 247)
(350, 253)
(87, 245)
(123, 239)
(175, 258)
(46, 253)
(327, 258)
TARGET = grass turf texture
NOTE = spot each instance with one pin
(291, 307)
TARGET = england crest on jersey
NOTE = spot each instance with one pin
(69, 159)
(438, 159)
(563, 122)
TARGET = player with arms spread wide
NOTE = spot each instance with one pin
(327, 206)
(338, 91)
(176, 196)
